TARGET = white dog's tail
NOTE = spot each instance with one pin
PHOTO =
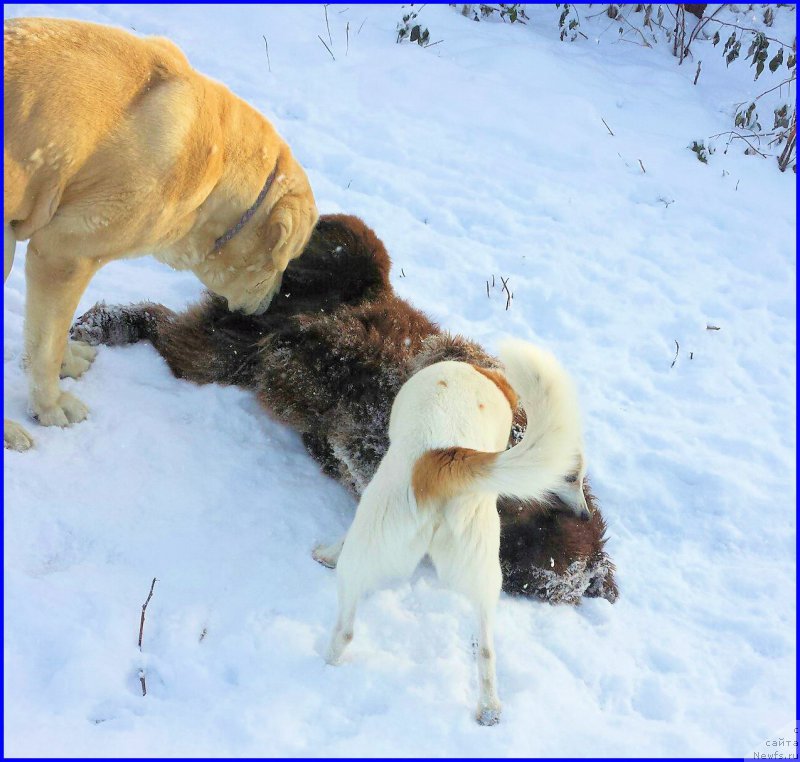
(549, 450)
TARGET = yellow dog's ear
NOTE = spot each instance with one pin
(288, 227)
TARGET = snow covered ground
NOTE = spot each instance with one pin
(482, 156)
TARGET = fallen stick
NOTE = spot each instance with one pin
(141, 634)
(144, 608)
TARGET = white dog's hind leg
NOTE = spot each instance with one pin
(489, 706)
(343, 631)
(466, 554)
(328, 555)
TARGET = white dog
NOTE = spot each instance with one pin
(436, 488)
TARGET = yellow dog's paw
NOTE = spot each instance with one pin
(78, 356)
(69, 409)
(15, 437)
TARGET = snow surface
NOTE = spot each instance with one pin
(482, 156)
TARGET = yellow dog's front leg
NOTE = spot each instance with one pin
(54, 287)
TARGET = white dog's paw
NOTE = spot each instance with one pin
(321, 557)
(78, 356)
(488, 714)
(338, 644)
(69, 409)
(15, 437)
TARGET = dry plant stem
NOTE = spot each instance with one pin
(607, 127)
(266, 45)
(677, 350)
(735, 135)
(330, 39)
(788, 150)
(141, 633)
(638, 31)
(787, 82)
(326, 47)
(507, 290)
(755, 31)
(144, 608)
(700, 24)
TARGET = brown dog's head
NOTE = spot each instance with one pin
(344, 262)
(247, 270)
(551, 555)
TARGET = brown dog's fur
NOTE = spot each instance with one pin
(328, 359)
(114, 146)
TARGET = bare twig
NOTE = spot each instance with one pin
(402, 273)
(637, 30)
(787, 82)
(507, 290)
(697, 73)
(362, 24)
(677, 349)
(734, 135)
(701, 23)
(144, 608)
(786, 154)
(141, 633)
(755, 31)
(326, 47)
(330, 39)
(266, 46)
(607, 127)
(347, 38)
(642, 166)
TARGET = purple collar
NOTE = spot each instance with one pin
(236, 229)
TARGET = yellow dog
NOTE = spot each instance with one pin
(114, 146)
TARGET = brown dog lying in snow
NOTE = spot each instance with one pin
(328, 359)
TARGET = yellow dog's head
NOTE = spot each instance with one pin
(247, 268)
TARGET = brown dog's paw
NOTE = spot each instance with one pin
(78, 358)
